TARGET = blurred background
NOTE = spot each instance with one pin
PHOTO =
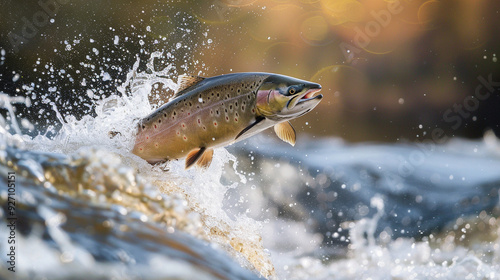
(391, 70)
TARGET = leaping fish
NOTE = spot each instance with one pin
(206, 113)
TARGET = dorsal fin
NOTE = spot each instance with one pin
(186, 81)
(285, 132)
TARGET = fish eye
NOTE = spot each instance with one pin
(291, 91)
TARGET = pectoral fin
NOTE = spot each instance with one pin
(193, 156)
(205, 159)
(248, 128)
(285, 132)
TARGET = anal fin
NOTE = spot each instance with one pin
(193, 156)
(201, 156)
(206, 159)
(285, 132)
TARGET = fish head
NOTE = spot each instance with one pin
(283, 98)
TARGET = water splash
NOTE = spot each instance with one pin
(10, 131)
(109, 134)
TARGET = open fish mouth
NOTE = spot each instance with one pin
(309, 95)
(304, 97)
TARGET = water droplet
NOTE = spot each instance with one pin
(90, 93)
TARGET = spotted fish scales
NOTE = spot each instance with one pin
(213, 112)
